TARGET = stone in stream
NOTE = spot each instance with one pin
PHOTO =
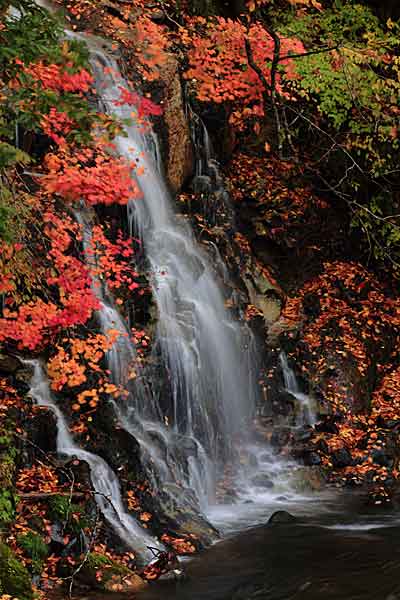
(282, 517)
(311, 458)
(262, 480)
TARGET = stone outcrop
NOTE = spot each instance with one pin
(177, 148)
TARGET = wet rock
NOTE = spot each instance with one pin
(22, 379)
(280, 438)
(158, 16)
(199, 528)
(262, 480)
(311, 305)
(341, 458)
(311, 458)
(9, 364)
(282, 517)
(328, 425)
(202, 184)
(263, 291)
(284, 403)
(99, 572)
(388, 423)
(187, 445)
(308, 479)
(382, 458)
(303, 435)
(42, 433)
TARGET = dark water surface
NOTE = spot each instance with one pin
(335, 549)
(285, 562)
(293, 561)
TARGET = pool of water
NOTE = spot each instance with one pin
(336, 550)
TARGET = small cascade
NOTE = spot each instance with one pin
(291, 384)
(122, 354)
(208, 182)
(104, 481)
(207, 355)
(121, 359)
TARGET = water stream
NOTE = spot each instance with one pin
(205, 352)
(307, 411)
(104, 481)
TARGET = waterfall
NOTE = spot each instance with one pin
(104, 481)
(206, 354)
(292, 386)
(120, 360)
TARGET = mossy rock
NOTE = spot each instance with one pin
(14, 577)
(102, 573)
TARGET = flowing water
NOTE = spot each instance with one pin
(105, 482)
(211, 373)
(187, 443)
(292, 386)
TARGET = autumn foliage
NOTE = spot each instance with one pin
(220, 69)
(90, 175)
(344, 315)
(29, 324)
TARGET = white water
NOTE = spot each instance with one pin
(292, 386)
(211, 374)
(104, 481)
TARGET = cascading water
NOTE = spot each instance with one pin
(104, 481)
(208, 182)
(292, 386)
(206, 355)
(120, 360)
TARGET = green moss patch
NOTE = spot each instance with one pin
(14, 577)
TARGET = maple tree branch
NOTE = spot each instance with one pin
(254, 66)
(274, 68)
(93, 535)
(311, 52)
(269, 90)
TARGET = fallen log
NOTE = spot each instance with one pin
(45, 495)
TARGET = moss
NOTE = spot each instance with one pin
(109, 570)
(8, 453)
(35, 548)
(7, 469)
(97, 561)
(14, 577)
(7, 507)
(61, 509)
